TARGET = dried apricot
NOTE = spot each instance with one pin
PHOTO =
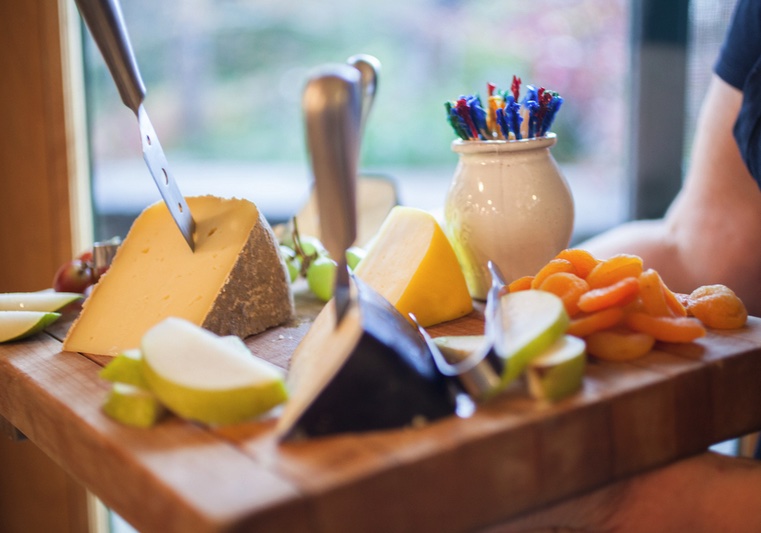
(614, 269)
(520, 284)
(581, 260)
(553, 266)
(619, 345)
(569, 287)
(588, 324)
(717, 306)
(684, 299)
(652, 295)
(674, 301)
(666, 328)
(618, 294)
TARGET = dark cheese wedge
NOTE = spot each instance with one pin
(371, 372)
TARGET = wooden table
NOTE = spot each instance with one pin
(512, 455)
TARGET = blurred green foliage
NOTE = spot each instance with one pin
(224, 77)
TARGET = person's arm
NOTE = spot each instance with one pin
(712, 232)
(709, 492)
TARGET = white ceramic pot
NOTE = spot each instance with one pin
(508, 203)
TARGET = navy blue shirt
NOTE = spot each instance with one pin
(739, 64)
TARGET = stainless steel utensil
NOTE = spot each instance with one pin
(369, 70)
(332, 109)
(480, 372)
(106, 24)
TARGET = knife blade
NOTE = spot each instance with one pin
(494, 325)
(332, 110)
(106, 24)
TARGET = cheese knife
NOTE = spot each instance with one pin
(332, 109)
(106, 24)
(369, 69)
(480, 372)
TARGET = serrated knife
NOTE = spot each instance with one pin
(332, 107)
(106, 24)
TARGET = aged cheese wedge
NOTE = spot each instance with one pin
(373, 371)
(234, 284)
(412, 264)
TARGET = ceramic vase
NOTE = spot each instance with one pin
(509, 203)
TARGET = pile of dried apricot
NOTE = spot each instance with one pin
(621, 309)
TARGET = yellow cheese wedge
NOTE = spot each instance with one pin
(412, 264)
(234, 284)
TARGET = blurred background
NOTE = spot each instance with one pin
(224, 83)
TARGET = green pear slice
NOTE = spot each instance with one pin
(559, 371)
(126, 367)
(48, 301)
(202, 377)
(133, 406)
(456, 348)
(15, 325)
(529, 323)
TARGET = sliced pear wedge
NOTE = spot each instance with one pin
(206, 378)
(531, 321)
(48, 301)
(455, 348)
(559, 371)
(126, 367)
(16, 325)
(133, 406)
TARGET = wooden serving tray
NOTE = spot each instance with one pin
(514, 454)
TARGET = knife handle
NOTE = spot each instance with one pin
(106, 24)
(332, 108)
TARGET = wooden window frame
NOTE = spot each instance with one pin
(45, 200)
(45, 218)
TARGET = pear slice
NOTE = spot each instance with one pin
(528, 323)
(48, 301)
(202, 377)
(133, 406)
(126, 367)
(15, 325)
(559, 371)
(456, 348)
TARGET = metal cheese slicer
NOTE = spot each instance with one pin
(332, 109)
(369, 70)
(106, 24)
(479, 373)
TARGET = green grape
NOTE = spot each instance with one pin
(311, 246)
(321, 277)
(292, 261)
(354, 255)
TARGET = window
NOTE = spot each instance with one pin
(224, 82)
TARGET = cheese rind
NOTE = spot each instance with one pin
(412, 264)
(235, 283)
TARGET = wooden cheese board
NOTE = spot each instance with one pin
(512, 455)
